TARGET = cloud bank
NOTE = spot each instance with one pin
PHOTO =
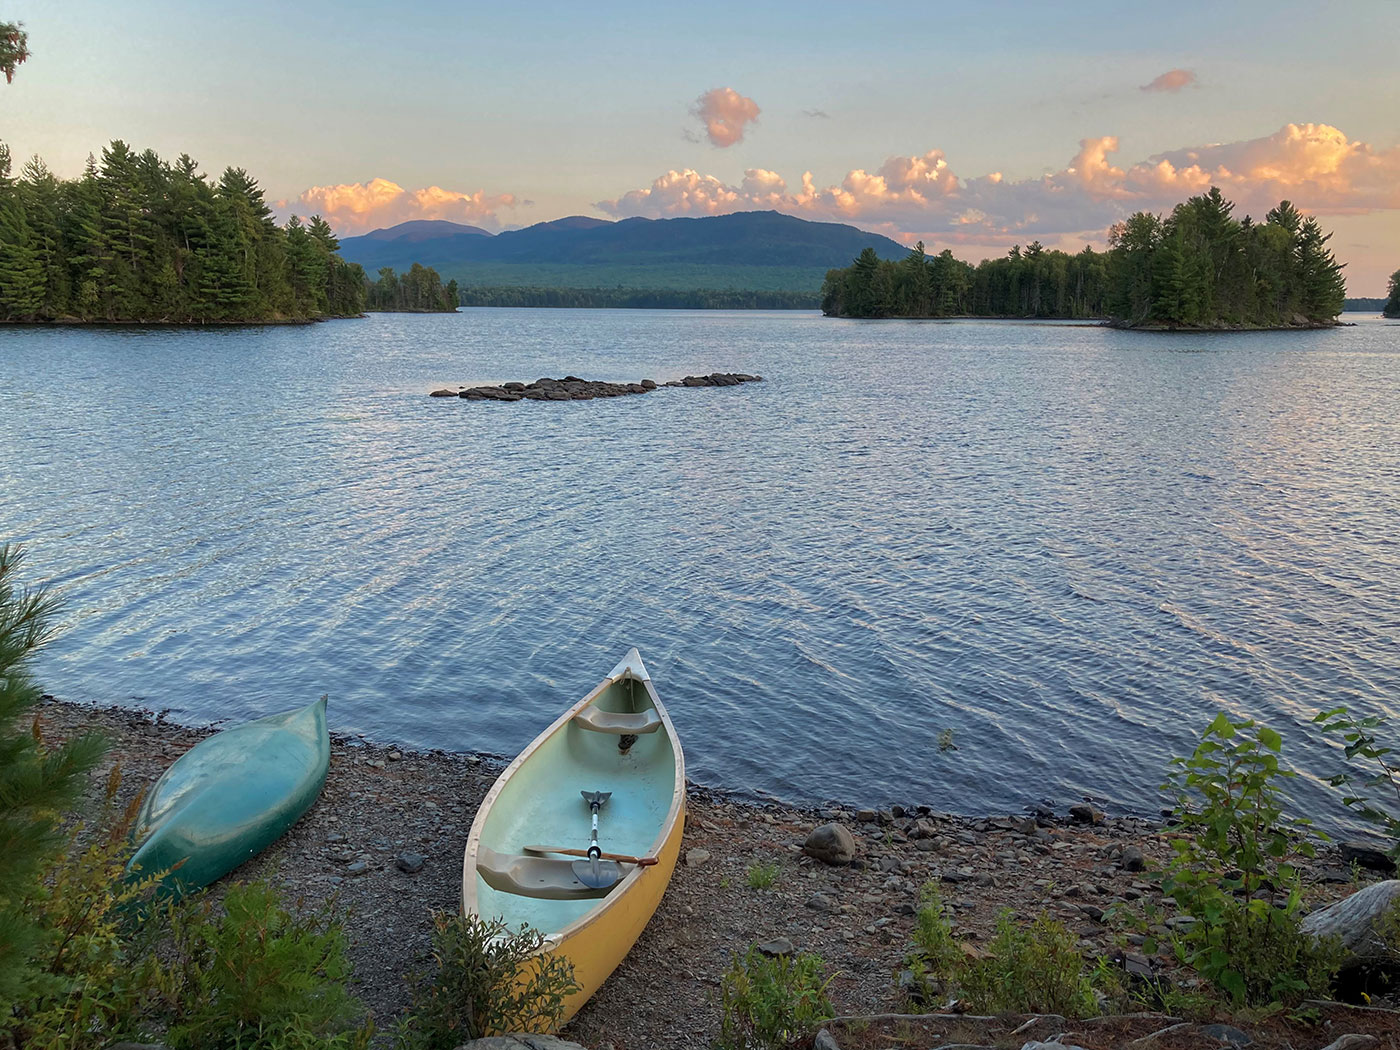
(1173, 80)
(1314, 165)
(726, 114)
(357, 207)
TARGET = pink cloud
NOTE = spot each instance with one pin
(358, 207)
(726, 114)
(1314, 165)
(1173, 80)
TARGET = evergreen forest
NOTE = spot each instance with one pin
(135, 238)
(418, 291)
(1199, 267)
(1392, 305)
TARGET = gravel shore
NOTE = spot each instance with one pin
(381, 802)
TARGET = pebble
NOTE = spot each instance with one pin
(820, 902)
(777, 946)
(697, 857)
(334, 836)
(358, 867)
(410, 863)
(1132, 859)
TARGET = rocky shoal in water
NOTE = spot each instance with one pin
(572, 388)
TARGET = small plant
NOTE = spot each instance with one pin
(258, 977)
(1232, 869)
(945, 741)
(769, 1002)
(1029, 969)
(762, 875)
(936, 955)
(491, 979)
(1361, 742)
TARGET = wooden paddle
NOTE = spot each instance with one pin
(641, 862)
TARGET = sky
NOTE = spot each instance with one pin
(967, 126)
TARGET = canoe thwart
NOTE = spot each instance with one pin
(619, 723)
(544, 878)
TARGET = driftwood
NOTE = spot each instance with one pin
(1355, 921)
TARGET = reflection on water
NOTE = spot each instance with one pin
(1068, 545)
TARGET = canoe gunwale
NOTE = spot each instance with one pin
(675, 813)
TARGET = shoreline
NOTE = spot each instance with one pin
(381, 801)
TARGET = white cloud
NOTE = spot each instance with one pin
(726, 114)
(358, 207)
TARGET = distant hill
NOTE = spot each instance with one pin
(748, 251)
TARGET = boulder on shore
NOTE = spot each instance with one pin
(1357, 921)
(831, 844)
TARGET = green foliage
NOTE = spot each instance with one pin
(761, 875)
(1230, 872)
(37, 782)
(14, 48)
(135, 238)
(254, 976)
(1361, 742)
(1392, 303)
(769, 1002)
(491, 979)
(418, 291)
(936, 956)
(1029, 969)
(95, 975)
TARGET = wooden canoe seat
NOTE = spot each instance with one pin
(619, 723)
(546, 878)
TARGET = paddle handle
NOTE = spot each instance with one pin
(641, 862)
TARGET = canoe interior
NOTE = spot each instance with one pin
(541, 804)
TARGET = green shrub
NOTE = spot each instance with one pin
(762, 876)
(491, 979)
(936, 957)
(769, 1002)
(1029, 969)
(1361, 742)
(254, 976)
(37, 784)
(1233, 867)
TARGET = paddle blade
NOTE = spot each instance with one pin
(597, 874)
(596, 798)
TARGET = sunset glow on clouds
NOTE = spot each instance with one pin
(725, 114)
(1314, 165)
(1173, 80)
(358, 207)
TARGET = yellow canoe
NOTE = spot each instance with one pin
(617, 739)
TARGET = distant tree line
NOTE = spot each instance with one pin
(418, 291)
(1365, 302)
(640, 298)
(1392, 305)
(1197, 267)
(137, 239)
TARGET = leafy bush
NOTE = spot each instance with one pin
(769, 1002)
(1233, 868)
(1361, 742)
(37, 783)
(761, 876)
(257, 977)
(1029, 969)
(491, 979)
(936, 958)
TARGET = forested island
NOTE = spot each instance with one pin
(419, 291)
(136, 239)
(1198, 268)
(1392, 305)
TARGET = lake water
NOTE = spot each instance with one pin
(1068, 545)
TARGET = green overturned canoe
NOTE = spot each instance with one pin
(231, 796)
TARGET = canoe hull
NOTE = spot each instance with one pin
(230, 797)
(537, 801)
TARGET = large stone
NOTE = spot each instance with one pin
(831, 844)
(1133, 859)
(1354, 919)
(1367, 855)
(443, 393)
(1355, 1041)
(697, 857)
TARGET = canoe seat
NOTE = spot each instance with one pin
(619, 723)
(546, 878)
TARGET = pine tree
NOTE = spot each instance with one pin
(1392, 305)
(36, 782)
